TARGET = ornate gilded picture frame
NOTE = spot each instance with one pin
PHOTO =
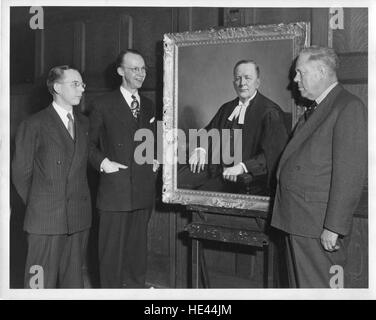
(198, 80)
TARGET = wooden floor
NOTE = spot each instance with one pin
(158, 276)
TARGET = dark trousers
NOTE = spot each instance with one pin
(123, 248)
(310, 266)
(56, 260)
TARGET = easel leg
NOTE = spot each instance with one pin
(195, 263)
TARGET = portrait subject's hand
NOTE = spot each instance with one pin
(197, 160)
(231, 173)
(329, 240)
(109, 166)
(156, 165)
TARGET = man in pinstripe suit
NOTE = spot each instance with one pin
(49, 173)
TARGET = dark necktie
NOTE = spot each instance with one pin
(135, 107)
(310, 109)
(70, 125)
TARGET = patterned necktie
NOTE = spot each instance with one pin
(135, 107)
(310, 110)
(70, 125)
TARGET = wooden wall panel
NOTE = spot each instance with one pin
(360, 90)
(354, 36)
(102, 38)
(281, 15)
(357, 265)
(149, 27)
(22, 57)
(234, 17)
(58, 45)
(205, 18)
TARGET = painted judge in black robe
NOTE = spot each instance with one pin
(263, 134)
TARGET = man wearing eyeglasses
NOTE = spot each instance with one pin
(49, 173)
(126, 188)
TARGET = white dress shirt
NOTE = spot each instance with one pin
(325, 93)
(128, 96)
(62, 113)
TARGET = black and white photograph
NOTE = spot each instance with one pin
(158, 150)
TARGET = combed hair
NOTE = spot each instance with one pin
(246, 61)
(119, 59)
(56, 74)
(323, 54)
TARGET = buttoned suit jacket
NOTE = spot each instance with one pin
(49, 173)
(112, 136)
(322, 170)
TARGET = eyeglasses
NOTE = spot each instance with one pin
(76, 84)
(137, 69)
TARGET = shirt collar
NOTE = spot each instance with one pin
(128, 96)
(62, 112)
(325, 93)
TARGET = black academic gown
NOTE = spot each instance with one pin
(264, 137)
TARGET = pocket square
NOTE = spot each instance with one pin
(152, 120)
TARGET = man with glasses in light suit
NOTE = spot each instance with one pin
(49, 173)
(126, 188)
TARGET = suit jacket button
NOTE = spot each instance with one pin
(297, 167)
(120, 144)
(58, 162)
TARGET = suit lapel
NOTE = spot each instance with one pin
(122, 110)
(57, 131)
(80, 147)
(144, 114)
(321, 113)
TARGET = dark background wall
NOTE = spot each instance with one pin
(90, 38)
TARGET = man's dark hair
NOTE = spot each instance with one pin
(56, 74)
(119, 59)
(246, 61)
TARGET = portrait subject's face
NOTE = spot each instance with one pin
(308, 77)
(70, 88)
(246, 81)
(133, 71)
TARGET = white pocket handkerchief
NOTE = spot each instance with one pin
(152, 120)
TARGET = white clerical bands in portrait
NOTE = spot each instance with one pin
(315, 179)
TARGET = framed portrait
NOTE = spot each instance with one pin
(198, 80)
